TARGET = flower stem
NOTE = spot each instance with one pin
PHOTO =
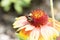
(52, 11)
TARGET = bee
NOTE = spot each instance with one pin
(29, 18)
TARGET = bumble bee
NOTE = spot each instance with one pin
(29, 18)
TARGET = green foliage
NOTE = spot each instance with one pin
(18, 4)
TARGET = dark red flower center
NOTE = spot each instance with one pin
(39, 17)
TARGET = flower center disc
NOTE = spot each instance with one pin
(39, 17)
(37, 14)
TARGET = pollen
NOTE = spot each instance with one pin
(37, 13)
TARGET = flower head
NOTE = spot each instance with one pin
(39, 28)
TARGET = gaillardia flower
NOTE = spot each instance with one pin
(36, 26)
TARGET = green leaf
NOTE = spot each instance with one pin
(18, 8)
(5, 3)
(25, 3)
(6, 8)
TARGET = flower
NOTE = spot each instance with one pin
(37, 26)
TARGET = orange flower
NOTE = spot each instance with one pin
(38, 27)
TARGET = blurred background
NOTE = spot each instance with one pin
(10, 9)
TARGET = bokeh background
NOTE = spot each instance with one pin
(10, 9)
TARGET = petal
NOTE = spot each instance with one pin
(20, 21)
(57, 24)
(41, 37)
(27, 27)
(23, 35)
(49, 33)
(34, 35)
